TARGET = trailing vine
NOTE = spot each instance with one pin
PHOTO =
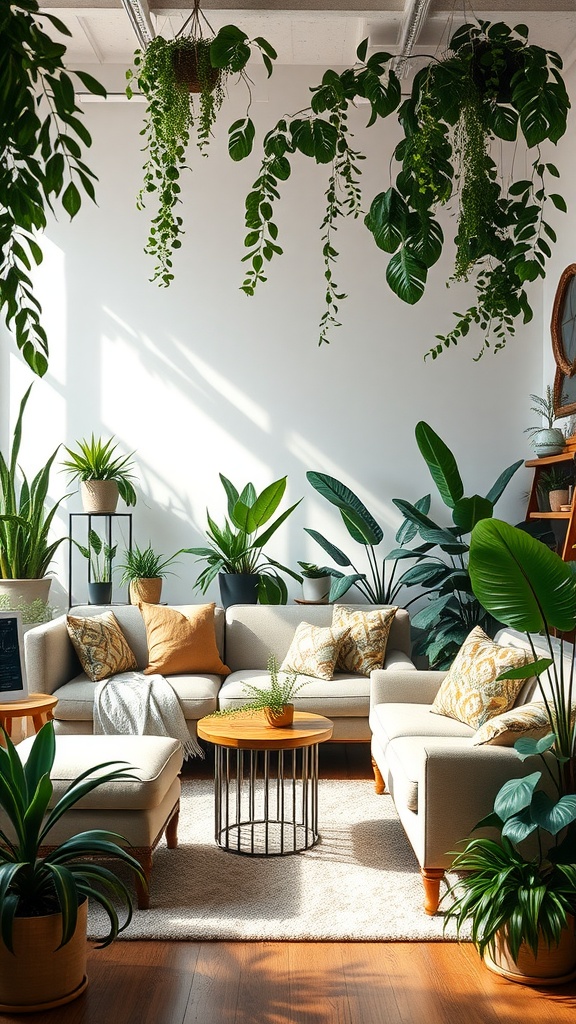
(169, 73)
(490, 86)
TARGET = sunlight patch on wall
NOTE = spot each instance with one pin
(228, 390)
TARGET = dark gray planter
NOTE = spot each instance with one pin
(236, 588)
(99, 593)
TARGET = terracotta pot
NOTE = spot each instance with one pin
(99, 495)
(554, 966)
(280, 719)
(40, 976)
(148, 590)
(557, 499)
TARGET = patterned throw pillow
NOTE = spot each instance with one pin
(314, 651)
(471, 692)
(365, 646)
(524, 720)
(181, 640)
(100, 645)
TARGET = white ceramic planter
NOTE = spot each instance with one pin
(316, 589)
(548, 441)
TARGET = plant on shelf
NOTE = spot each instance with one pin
(39, 880)
(553, 486)
(316, 581)
(143, 570)
(490, 88)
(514, 895)
(236, 549)
(25, 522)
(547, 440)
(100, 555)
(95, 463)
(41, 137)
(276, 700)
(442, 569)
(168, 73)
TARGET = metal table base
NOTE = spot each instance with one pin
(266, 802)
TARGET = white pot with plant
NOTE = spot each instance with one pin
(316, 581)
(43, 909)
(103, 475)
(548, 440)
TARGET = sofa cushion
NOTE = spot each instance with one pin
(181, 639)
(471, 691)
(314, 650)
(522, 720)
(341, 697)
(392, 721)
(100, 645)
(364, 647)
(198, 695)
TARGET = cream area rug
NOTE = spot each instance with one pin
(360, 882)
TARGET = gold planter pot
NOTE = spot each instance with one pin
(280, 719)
(40, 976)
(144, 589)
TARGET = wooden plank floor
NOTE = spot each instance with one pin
(303, 982)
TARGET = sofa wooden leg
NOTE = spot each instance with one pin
(172, 830)
(431, 878)
(379, 784)
(143, 892)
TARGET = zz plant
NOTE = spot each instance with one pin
(41, 160)
(172, 114)
(491, 87)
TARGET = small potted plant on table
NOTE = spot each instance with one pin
(276, 699)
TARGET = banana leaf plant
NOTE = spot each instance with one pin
(490, 91)
(441, 568)
(32, 883)
(237, 547)
(25, 522)
(376, 586)
(528, 894)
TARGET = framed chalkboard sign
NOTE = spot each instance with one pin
(13, 684)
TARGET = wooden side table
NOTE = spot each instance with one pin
(36, 706)
(264, 805)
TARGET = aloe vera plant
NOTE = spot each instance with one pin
(25, 523)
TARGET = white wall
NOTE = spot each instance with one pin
(198, 378)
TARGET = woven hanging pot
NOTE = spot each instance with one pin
(148, 590)
(187, 73)
(99, 495)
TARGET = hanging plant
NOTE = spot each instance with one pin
(41, 133)
(491, 85)
(184, 83)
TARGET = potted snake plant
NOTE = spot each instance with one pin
(44, 889)
(103, 475)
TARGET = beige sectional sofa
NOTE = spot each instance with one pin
(246, 636)
(441, 782)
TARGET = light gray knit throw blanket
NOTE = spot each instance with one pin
(135, 704)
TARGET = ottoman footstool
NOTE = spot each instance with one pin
(141, 809)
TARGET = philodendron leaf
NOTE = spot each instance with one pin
(406, 274)
(515, 795)
(241, 138)
(387, 220)
(519, 826)
(315, 137)
(553, 816)
(441, 463)
(527, 746)
(229, 49)
(469, 511)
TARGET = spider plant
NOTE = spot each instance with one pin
(144, 563)
(95, 459)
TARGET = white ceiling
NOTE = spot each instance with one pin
(309, 32)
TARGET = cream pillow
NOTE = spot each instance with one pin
(522, 720)
(314, 650)
(364, 648)
(181, 641)
(100, 645)
(471, 692)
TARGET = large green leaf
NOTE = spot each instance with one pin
(387, 220)
(502, 482)
(336, 553)
(315, 137)
(441, 463)
(553, 815)
(469, 511)
(519, 580)
(267, 502)
(515, 795)
(338, 494)
(406, 274)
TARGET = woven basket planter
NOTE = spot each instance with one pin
(147, 590)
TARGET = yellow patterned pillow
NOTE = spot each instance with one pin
(314, 651)
(100, 645)
(365, 646)
(523, 720)
(471, 692)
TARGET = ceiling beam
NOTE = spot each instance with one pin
(415, 13)
(139, 16)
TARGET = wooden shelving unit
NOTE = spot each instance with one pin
(569, 543)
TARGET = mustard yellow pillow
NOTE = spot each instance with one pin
(181, 641)
(314, 651)
(364, 647)
(100, 645)
(471, 692)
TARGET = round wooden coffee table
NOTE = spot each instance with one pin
(36, 706)
(265, 782)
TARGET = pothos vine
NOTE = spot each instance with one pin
(490, 86)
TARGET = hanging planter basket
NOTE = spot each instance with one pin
(192, 67)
